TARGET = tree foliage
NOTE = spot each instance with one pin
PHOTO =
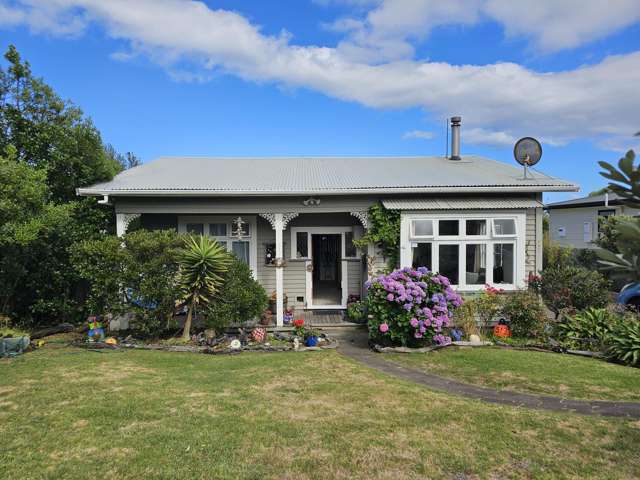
(623, 260)
(384, 232)
(48, 148)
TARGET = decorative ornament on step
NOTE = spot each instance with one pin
(259, 334)
(235, 344)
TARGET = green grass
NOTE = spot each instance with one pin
(67, 413)
(529, 371)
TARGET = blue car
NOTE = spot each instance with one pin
(630, 295)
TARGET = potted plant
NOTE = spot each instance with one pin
(266, 317)
(273, 301)
(310, 337)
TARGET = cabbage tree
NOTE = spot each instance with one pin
(203, 263)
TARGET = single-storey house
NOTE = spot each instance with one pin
(293, 220)
(574, 223)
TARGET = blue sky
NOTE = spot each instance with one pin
(332, 77)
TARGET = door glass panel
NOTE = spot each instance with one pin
(448, 256)
(218, 229)
(241, 250)
(302, 245)
(476, 264)
(503, 263)
(422, 228)
(504, 226)
(476, 227)
(350, 250)
(195, 228)
(421, 254)
(448, 227)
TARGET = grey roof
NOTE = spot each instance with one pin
(460, 203)
(322, 175)
(592, 201)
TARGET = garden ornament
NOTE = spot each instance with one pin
(456, 334)
(296, 343)
(474, 338)
(502, 330)
(96, 331)
(259, 334)
(235, 344)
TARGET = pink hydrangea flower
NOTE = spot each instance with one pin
(384, 328)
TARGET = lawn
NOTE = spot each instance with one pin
(566, 376)
(67, 413)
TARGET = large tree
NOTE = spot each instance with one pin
(48, 148)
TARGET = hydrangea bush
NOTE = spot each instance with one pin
(410, 307)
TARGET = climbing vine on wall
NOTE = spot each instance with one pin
(384, 232)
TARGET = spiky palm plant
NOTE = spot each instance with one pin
(203, 263)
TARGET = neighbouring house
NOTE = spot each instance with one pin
(294, 220)
(574, 223)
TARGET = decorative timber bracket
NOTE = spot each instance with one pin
(363, 216)
(286, 218)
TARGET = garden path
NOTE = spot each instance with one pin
(353, 344)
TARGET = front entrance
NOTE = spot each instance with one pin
(327, 269)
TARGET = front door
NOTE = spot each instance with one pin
(327, 271)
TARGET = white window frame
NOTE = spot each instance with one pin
(503, 235)
(355, 229)
(408, 241)
(229, 238)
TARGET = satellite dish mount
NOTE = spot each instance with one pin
(527, 152)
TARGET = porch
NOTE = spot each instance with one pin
(305, 260)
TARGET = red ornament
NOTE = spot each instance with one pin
(501, 331)
(259, 334)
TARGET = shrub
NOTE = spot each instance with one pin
(142, 264)
(624, 341)
(488, 305)
(240, 298)
(356, 310)
(587, 330)
(525, 313)
(465, 318)
(573, 288)
(410, 307)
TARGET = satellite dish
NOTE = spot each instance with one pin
(527, 151)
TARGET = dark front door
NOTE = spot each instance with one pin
(326, 269)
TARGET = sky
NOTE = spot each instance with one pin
(345, 77)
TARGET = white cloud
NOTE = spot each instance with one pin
(386, 32)
(421, 134)
(499, 102)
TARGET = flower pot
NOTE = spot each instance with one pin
(311, 341)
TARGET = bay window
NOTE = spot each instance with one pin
(471, 249)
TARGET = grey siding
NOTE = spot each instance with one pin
(572, 220)
(530, 242)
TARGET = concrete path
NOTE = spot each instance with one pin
(354, 345)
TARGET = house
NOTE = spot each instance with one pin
(294, 220)
(574, 223)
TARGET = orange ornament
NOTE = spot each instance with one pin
(501, 331)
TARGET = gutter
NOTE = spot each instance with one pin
(88, 192)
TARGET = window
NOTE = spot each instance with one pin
(224, 230)
(476, 271)
(241, 250)
(448, 228)
(587, 232)
(195, 228)
(504, 227)
(449, 259)
(218, 229)
(302, 245)
(476, 227)
(503, 263)
(421, 228)
(421, 255)
(350, 250)
(471, 249)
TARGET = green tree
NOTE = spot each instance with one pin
(624, 261)
(202, 264)
(384, 232)
(48, 149)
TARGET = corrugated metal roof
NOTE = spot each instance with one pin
(321, 175)
(585, 201)
(460, 203)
